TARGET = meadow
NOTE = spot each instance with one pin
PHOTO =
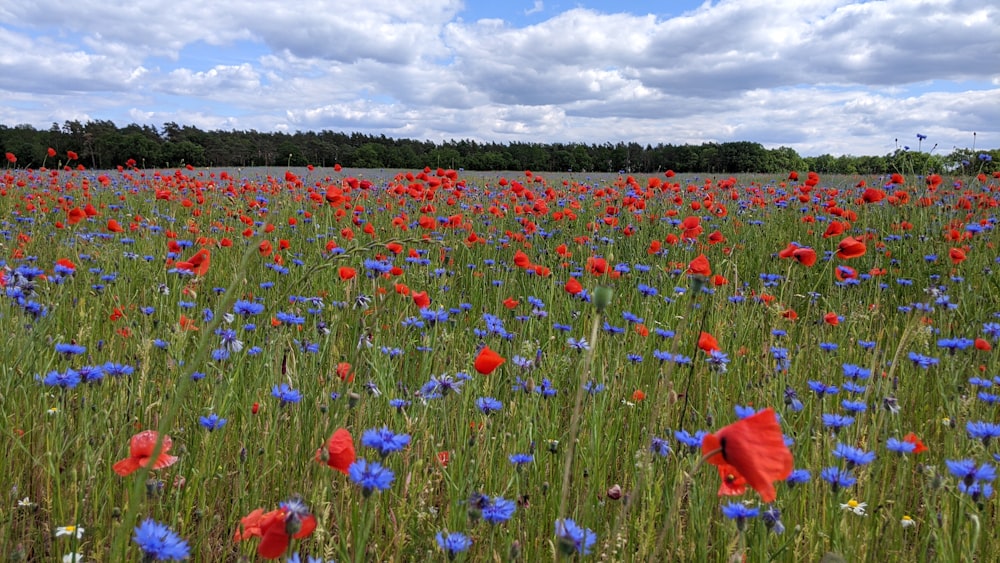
(319, 364)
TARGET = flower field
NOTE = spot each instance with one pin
(322, 364)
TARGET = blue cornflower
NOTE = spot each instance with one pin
(689, 440)
(545, 388)
(593, 388)
(739, 512)
(578, 344)
(370, 476)
(798, 477)
(161, 344)
(159, 543)
(212, 422)
(852, 387)
(981, 430)
(399, 404)
(248, 308)
(837, 421)
(91, 374)
(70, 349)
(922, 361)
(574, 539)
(117, 370)
(772, 519)
(854, 406)
(853, 456)
(792, 400)
(67, 379)
(852, 371)
(660, 447)
(488, 405)
(900, 446)
(286, 394)
(717, 361)
(822, 389)
(828, 346)
(496, 510)
(743, 412)
(384, 440)
(453, 543)
(520, 459)
(838, 478)
(992, 330)
(966, 470)
(955, 344)
(977, 491)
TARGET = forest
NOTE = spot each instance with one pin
(102, 144)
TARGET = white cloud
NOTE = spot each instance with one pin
(824, 76)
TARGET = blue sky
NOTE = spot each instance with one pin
(822, 76)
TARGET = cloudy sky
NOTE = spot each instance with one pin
(821, 76)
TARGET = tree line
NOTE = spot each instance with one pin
(102, 145)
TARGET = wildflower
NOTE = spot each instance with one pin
(837, 421)
(982, 431)
(488, 405)
(212, 422)
(497, 510)
(772, 519)
(718, 361)
(370, 476)
(739, 512)
(453, 543)
(838, 478)
(71, 349)
(900, 446)
(798, 477)
(855, 507)
(732, 483)
(487, 360)
(68, 379)
(338, 452)
(160, 543)
(76, 531)
(660, 447)
(520, 459)
(907, 522)
(689, 440)
(967, 470)
(141, 448)
(285, 394)
(384, 440)
(756, 449)
(574, 539)
(822, 389)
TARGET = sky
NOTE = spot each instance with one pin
(821, 76)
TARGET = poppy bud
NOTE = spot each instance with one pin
(352, 399)
(255, 408)
(602, 298)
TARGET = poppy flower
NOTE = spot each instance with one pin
(197, 264)
(957, 255)
(805, 256)
(983, 345)
(510, 303)
(844, 273)
(833, 229)
(789, 250)
(338, 452)
(273, 527)
(597, 266)
(732, 483)
(755, 448)
(913, 439)
(11, 158)
(75, 215)
(831, 319)
(573, 286)
(708, 343)
(487, 360)
(71, 155)
(346, 273)
(421, 299)
(521, 259)
(700, 266)
(114, 226)
(141, 448)
(851, 247)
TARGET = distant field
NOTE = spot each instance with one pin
(404, 365)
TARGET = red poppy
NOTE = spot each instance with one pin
(917, 442)
(521, 259)
(793, 175)
(573, 286)
(114, 226)
(805, 256)
(272, 528)
(957, 255)
(75, 215)
(338, 452)
(510, 303)
(421, 299)
(755, 448)
(187, 323)
(265, 248)
(638, 395)
(843, 273)
(346, 273)
(732, 483)
(141, 449)
(700, 266)
(597, 266)
(708, 343)
(71, 155)
(344, 372)
(11, 158)
(789, 250)
(851, 247)
(834, 228)
(487, 360)
(831, 319)
(983, 345)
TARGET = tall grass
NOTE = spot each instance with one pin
(587, 444)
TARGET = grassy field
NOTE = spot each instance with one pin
(365, 365)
